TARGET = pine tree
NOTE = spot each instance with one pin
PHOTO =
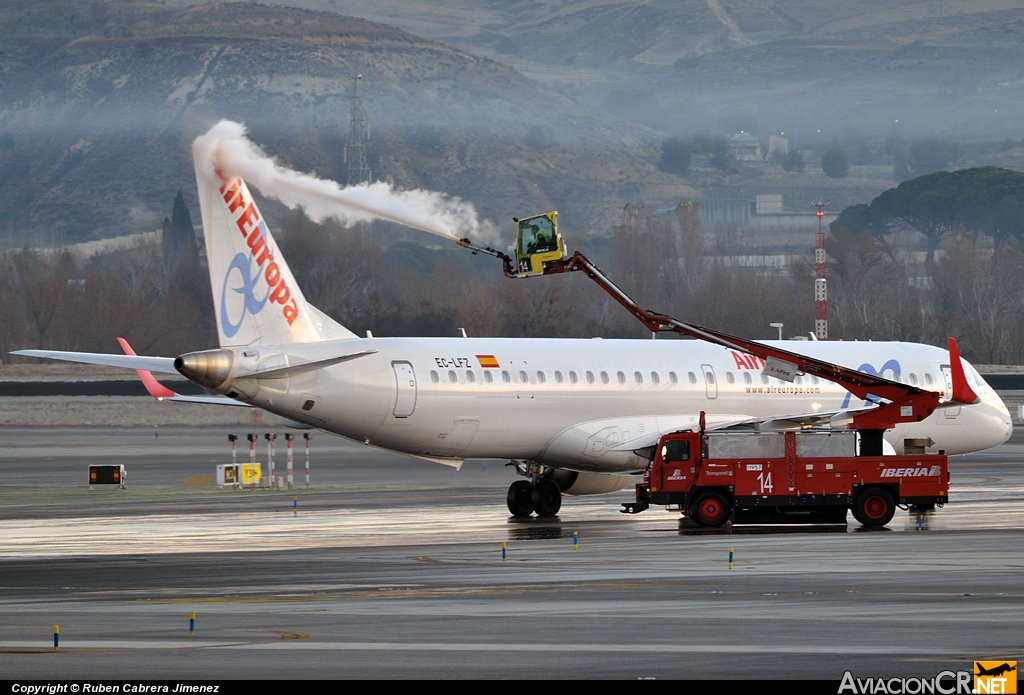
(183, 234)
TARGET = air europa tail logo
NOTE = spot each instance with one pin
(257, 285)
(867, 368)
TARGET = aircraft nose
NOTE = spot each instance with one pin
(998, 426)
(1007, 422)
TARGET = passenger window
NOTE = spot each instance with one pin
(470, 377)
(506, 377)
(764, 378)
(913, 379)
(747, 378)
(524, 378)
(621, 377)
(590, 377)
(730, 378)
(799, 379)
(655, 379)
(928, 379)
(814, 380)
(452, 377)
(541, 378)
(573, 378)
(710, 376)
(692, 377)
(673, 378)
(488, 377)
(434, 376)
(558, 377)
(604, 377)
(638, 377)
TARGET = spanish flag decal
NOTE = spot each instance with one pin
(487, 361)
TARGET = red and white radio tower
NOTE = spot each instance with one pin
(820, 293)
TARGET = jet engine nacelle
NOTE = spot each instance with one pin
(612, 444)
(573, 483)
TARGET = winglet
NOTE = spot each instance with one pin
(962, 391)
(154, 387)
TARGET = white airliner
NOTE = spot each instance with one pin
(571, 414)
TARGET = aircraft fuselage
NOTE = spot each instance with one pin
(582, 404)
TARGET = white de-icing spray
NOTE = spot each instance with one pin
(225, 152)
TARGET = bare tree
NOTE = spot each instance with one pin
(979, 296)
(43, 286)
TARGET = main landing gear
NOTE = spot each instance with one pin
(539, 494)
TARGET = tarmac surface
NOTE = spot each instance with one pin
(391, 567)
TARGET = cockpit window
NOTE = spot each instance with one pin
(973, 378)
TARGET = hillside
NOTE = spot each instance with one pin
(943, 67)
(100, 100)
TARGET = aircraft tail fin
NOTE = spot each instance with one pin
(256, 299)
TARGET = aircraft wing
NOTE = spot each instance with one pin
(143, 366)
(836, 419)
(209, 400)
(162, 393)
(163, 365)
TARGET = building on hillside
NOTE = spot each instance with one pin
(770, 204)
(744, 147)
(777, 148)
(767, 211)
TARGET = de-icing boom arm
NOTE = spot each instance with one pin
(905, 403)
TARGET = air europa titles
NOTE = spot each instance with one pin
(747, 361)
(254, 231)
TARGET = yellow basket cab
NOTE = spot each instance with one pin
(538, 241)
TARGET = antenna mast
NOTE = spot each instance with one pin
(820, 292)
(358, 136)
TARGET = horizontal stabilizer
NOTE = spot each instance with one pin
(163, 365)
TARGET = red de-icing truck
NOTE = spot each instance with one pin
(797, 476)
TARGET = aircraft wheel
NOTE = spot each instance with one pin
(874, 507)
(546, 498)
(519, 502)
(709, 509)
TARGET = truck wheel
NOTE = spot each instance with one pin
(519, 498)
(874, 507)
(546, 498)
(709, 509)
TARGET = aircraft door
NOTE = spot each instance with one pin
(405, 384)
(949, 413)
(710, 381)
